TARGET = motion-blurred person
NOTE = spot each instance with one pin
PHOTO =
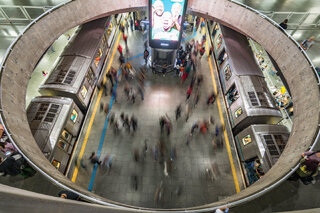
(211, 98)
(173, 153)
(136, 155)
(134, 123)
(187, 111)
(94, 159)
(162, 121)
(307, 44)
(120, 50)
(178, 111)
(189, 138)
(202, 51)
(125, 39)
(189, 91)
(194, 127)
(135, 182)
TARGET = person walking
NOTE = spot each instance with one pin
(131, 24)
(187, 111)
(110, 77)
(125, 39)
(134, 123)
(162, 122)
(94, 159)
(202, 51)
(178, 111)
(307, 44)
(189, 91)
(120, 50)
(140, 89)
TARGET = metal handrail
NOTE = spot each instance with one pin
(137, 209)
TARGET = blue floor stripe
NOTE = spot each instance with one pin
(137, 56)
(93, 175)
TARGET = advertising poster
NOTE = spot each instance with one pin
(166, 18)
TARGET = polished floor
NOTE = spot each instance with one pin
(162, 95)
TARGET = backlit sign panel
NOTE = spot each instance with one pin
(166, 19)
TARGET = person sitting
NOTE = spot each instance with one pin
(308, 168)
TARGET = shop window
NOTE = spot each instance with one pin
(66, 135)
(62, 144)
(90, 76)
(232, 95)
(238, 112)
(222, 57)
(84, 91)
(74, 116)
(219, 41)
(103, 42)
(227, 72)
(56, 164)
(98, 57)
(247, 139)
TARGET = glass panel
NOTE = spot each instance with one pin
(227, 72)
(62, 144)
(246, 140)
(74, 115)
(98, 57)
(232, 95)
(219, 41)
(238, 112)
(56, 164)
(66, 135)
(90, 76)
(84, 91)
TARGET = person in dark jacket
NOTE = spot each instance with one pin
(11, 165)
(284, 24)
(68, 195)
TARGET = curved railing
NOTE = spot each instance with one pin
(134, 208)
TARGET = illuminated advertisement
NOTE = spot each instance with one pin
(166, 19)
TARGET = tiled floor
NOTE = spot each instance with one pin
(162, 95)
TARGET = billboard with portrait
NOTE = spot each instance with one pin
(166, 22)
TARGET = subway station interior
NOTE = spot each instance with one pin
(159, 106)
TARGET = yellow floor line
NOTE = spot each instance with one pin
(76, 170)
(236, 183)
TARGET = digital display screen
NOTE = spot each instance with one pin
(166, 19)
